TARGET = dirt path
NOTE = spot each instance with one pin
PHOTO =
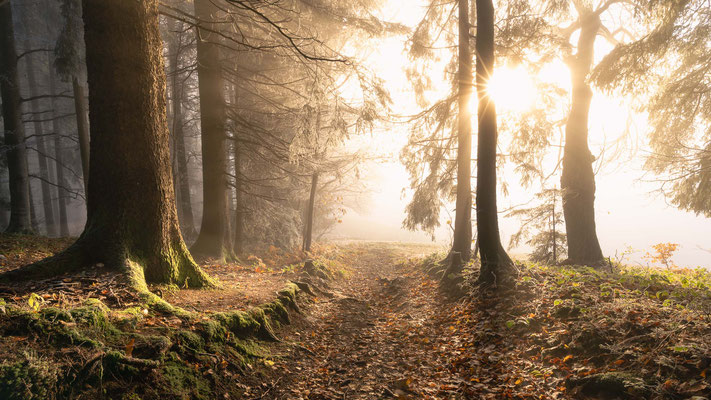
(377, 338)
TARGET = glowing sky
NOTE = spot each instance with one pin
(628, 212)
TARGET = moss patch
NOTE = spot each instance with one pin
(28, 379)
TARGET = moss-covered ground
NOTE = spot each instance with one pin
(90, 336)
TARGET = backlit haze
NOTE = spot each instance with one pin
(630, 213)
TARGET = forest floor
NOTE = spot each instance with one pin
(375, 327)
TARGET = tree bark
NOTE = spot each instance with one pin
(212, 240)
(132, 223)
(578, 178)
(47, 205)
(82, 129)
(308, 232)
(494, 260)
(462, 240)
(14, 131)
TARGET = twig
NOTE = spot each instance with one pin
(272, 386)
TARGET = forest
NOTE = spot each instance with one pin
(366, 199)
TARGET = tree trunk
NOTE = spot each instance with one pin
(462, 241)
(44, 175)
(33, 212)
(211, 240)
(82, 129)
(131, 223)
(182, 176)
(14, 131)
(62, 195)
(238, 237)
(578, 179)
(308, 232)
(494, 260)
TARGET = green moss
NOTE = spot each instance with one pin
(93, 314)
(113, 366)
(189, 340)
(240, 323)
(249, 348)
(56, 314)
(276, 310)
(184, 380)
(212, 330)
(150, 346)
(28, 379)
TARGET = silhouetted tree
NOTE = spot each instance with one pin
(494, 260)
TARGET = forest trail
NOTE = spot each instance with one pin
(376, 338)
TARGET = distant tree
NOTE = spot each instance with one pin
(131, 224)
(214, 237)
(69, 63)
(40, 139)
(15, 147)
(542, 227)
(178, 46)
(671, 66)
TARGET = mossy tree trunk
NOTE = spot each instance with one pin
(578, 178)
(213, 239)
(131, 223)
(20, 212)
(494, 260)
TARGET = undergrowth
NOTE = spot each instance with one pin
(616, 332)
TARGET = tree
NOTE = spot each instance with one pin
(308, 231)
(131, 223)
(14, 130)
(176, 38)
(68, 52)
(494, 260)
(214, 236)
(462, 241)
(670, 66)
(39, 136)
(541, 227)
(578, 179)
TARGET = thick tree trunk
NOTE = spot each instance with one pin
(308, 232)
(494, 260)
(211, 240)
(44, 175)
(182, 176)
(462, 241)
(578, 178)
(62, 195)
(82, 129)
(131, 219)
(14, 131)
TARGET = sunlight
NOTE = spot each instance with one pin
(513, 90)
